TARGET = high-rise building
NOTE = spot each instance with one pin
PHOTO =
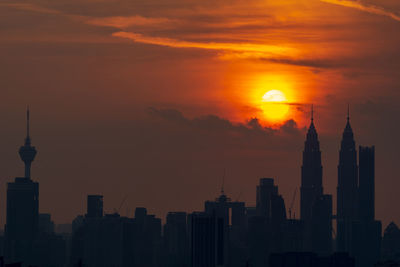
(366, 183)
(347, 190)
(265, 227)
(321, 226)
(265, 191)
(208, 240)
(176, 239)
(315, 207)
(147, 238)
(94, 206)
(22, 208)
(369, 231)
(311, 173)
(233, 215)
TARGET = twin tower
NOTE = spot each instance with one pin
(357, 232)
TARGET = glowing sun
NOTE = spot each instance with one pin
(274, 105)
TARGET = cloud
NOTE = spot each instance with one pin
(314, 63)
(364, 7)
(31, 7)
(216, 124)
(124, 22)
(236, 47)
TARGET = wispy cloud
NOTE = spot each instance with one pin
(30, 7)
(124, 22)
(365, 7)
(234, 47)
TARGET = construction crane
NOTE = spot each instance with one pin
(122, 202)
(291, 204)
(120, 206)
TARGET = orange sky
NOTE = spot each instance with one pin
(99, 64)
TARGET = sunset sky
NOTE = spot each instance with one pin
(154, 99)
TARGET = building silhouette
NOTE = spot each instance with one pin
(315, 207)
(311, 173)
(368, 229)
(22, 209)
(222, 223)
(208, 241)
(265, 226)
(176, 240)
(94, 206)
(391, 243)
(358, 233)
(366, 183)
(347, 190)
(225, 234)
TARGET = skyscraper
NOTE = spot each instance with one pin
(233, 215)
(369, 230)
(22, 208)
(94, 206)
(311, 173)
(315, 207)
(367, 183)
(347, 190)
(208, 240)
(176, 239)
(265, 191)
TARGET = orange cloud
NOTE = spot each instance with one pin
(260, 49)
(364, 7)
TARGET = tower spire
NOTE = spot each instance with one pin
(348, 112)
(27, 152)
(28, 138)
(312, 112)
(223, 183)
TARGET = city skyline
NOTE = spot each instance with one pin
(226, 233)
(157, 98)
(311, 138)
(202, 133)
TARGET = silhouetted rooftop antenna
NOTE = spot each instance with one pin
(348, 112)
(28, 138)
(312, 112)
(223, 183)
(27, 121)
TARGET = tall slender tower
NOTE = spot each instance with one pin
(311, 172)
(22, 209)
(347, 189)
(27, 152)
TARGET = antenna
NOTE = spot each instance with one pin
(312, 112)
(27, 121)
(223, 183)
(348, 112)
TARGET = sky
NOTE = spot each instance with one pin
(152, 101)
